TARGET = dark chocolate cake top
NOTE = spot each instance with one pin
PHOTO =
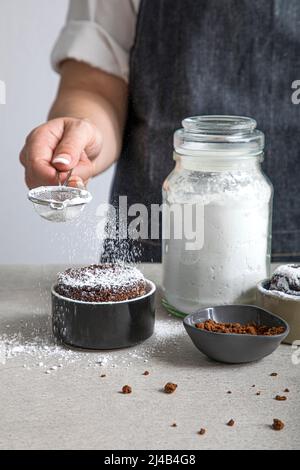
(102, 276)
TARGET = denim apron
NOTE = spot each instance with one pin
(193, 57)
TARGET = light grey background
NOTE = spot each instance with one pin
(28, 29)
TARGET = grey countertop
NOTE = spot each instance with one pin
(54, 398)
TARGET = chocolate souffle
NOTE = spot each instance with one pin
(101, 283)
(286, 278)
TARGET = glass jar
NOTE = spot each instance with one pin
(217, 207)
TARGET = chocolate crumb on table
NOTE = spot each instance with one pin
(252, 386)
(202, 431)
(258, 393)
(229, 392)
(230, 423)
(102, 376)
(146, 372)
(126, 389)
(280, 398)
(173, 425)
(170, 387)
(286, 390)
(277, 425)
(274, 374)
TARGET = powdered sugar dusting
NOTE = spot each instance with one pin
(102, 276)
(39, 351)
(286, 279)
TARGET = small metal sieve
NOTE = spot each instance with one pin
(59, 203)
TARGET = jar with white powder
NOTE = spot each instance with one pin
(217, 207)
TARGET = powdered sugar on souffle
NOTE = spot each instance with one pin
(286, 280)
(104, 276)
(101, 283)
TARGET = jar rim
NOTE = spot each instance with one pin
(218, 124)
(219, 133)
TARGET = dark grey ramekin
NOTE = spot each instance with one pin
(103, 325)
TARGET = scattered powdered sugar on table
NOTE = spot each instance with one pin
(38, 347)
(40, 351)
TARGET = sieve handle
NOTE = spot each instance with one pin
(65, 183)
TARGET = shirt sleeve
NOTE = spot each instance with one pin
(100, 33)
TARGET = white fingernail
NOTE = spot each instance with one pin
(63, 160)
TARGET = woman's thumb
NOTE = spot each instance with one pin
(75, 139)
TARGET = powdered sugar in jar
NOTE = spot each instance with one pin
(218, 177)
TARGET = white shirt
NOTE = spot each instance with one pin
(100, 33)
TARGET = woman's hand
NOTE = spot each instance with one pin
(61, 144)
(89, 144)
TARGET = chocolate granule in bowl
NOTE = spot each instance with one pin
(280, 398)
(101, 283)
(126, 389)
(170, 387)
(238, 328)
(277, 425)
